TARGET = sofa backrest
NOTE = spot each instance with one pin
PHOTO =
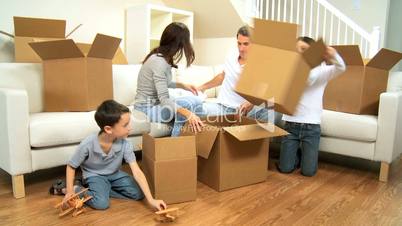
(28, 76)
(394, 81)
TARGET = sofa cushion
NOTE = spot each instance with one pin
(125, 83)
(394, 81)
(59, 128)
(349, 126)
(196, 75)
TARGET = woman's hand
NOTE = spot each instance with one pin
(195, 122)
(191, 88)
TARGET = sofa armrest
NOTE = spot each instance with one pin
(389, 131)
(15, 151)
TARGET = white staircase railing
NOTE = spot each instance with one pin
(318, 18)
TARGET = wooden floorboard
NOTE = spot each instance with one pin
(337, 195)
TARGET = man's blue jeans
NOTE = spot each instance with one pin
(259, 113)
(117, 185)
(307, 138)
(158, 113)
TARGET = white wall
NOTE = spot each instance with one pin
(366, 13)
(97, 16)
(212, 51)
(394, 34)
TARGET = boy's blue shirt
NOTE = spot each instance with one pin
(93, 160)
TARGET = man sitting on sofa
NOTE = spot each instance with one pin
(229, 102)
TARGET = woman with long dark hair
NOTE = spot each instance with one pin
(155, 78)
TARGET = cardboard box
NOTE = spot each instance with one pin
(35, 29)
(170, 166)
(119, 57)
(74, 81)
(233, 152)
(358, 89)
(274, 69)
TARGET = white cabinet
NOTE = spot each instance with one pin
(144, 27)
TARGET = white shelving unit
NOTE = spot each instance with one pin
(144, 27)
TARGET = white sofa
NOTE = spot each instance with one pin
(31, 140)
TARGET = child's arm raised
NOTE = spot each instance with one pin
(142, 182)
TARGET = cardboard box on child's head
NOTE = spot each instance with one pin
(74, 81)
(358, 89)
(274, 69)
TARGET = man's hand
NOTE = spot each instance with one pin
(158, 204)
(245, 108)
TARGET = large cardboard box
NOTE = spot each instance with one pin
(119, 57)
(233, 152)
(28, 30)
(274, 69)
(170, 166)
(358, 89)
(72, 80)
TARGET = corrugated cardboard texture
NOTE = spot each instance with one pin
(358, 89)
(170, 165)
(36, 27)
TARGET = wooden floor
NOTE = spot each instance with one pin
(337, 195)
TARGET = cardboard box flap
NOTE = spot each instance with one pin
(350, 54)
(59, 49)
(37, 27)
(104, 47)
(264, 30)
(205, 141)
(253, 132)
(314, 54)
(385, 59)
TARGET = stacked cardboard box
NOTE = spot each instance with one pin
(74, 81)
(170, 165)
(358, 89)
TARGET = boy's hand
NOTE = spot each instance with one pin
(158, 204)
(66, 199)
(329, 54)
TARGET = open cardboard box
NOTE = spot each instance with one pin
(358, 89)
(170, 166)
(74, 81)
(274, 69)
(119, 57)
(232, 151)
(32, 30)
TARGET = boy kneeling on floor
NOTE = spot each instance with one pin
(100, 157)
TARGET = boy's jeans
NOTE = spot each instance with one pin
(157, 113)
(306, 137)
(117, 185)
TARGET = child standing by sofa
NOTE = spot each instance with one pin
(304, 126)
(100, 157)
